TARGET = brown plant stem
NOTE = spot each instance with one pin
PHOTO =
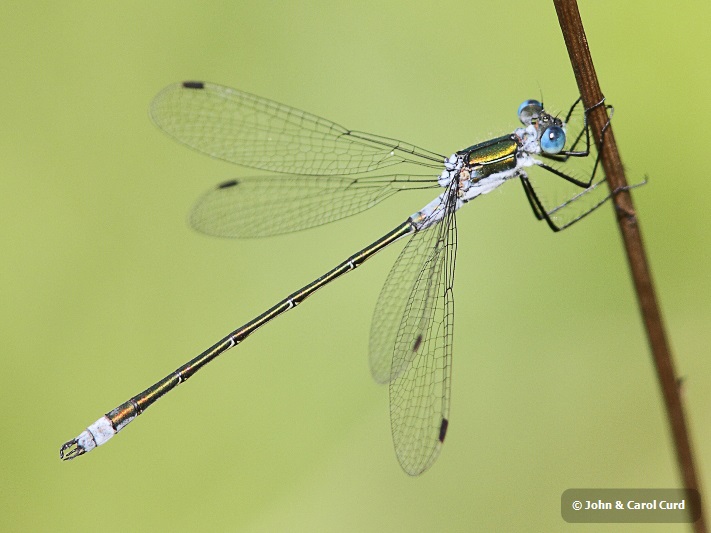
(577, 45)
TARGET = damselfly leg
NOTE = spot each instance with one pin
(574, 167)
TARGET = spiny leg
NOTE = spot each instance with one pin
(574, 181)
(541, 213)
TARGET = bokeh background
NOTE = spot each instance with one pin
(105, 288)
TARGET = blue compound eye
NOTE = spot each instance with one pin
(553, 140)
(529, 111)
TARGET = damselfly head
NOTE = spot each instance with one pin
(551, 131)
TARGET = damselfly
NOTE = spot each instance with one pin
(412, 328)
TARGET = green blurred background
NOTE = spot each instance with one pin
(105, 289)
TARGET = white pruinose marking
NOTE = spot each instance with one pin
(85, 441)
(96, 434)
(430, 214)
(102, 430)
(486, 185)
(129, 419)
(530, 143)
(351, 264)
(434, 211)
(452, 166)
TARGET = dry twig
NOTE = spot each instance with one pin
(577, 45)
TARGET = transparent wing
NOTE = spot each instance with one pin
(411, 341)
(255, 132)
(563, 201)
(260, 206)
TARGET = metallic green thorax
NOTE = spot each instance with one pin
(490, 157)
